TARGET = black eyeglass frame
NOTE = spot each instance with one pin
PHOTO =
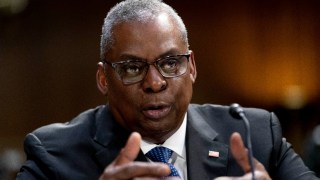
(115, 64)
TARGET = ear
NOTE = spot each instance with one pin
(101, 79)
(193, 68)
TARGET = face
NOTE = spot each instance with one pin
(154, 107)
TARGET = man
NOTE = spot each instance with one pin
(147, 72)
(312, 150)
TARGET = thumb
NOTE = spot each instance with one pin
(131, 150)
(239, 151)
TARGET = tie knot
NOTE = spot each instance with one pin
(159, 154)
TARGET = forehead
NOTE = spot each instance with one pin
(148, 38)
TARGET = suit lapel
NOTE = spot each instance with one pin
(201, 139)
(109, 139)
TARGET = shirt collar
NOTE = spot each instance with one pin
(175, 142)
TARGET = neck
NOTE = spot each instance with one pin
(157, 138)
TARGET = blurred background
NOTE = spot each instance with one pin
(259, 53)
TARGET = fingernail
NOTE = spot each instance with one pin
(164, 168)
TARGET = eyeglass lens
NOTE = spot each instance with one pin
(134, 71)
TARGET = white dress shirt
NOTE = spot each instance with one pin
(176, 142)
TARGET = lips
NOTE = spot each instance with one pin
(154, 111)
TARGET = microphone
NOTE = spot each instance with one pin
(237, 112)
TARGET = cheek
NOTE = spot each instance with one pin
(120, 94)
(183, 92)
(123, 104)
(116, 90)
(123, 98)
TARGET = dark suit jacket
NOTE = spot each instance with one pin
(83, 147)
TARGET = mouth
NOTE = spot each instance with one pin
(153, 111)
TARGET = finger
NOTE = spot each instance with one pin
(155, 178)
(137, 169)
(131, 150)
(239, 151)
(146, 169)
(258, 166)
(258, 175)
(247, 176)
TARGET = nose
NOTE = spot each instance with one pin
(154, 81)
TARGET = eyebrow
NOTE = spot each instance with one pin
(171, 52)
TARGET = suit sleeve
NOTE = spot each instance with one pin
(287, 164)
(39, 164)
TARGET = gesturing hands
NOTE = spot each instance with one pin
(240, 153)
(124, 166)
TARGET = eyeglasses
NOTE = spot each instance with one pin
(133, 71)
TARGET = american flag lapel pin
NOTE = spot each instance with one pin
(214, 154)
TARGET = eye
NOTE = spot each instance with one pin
(132, 68)
(169, 64)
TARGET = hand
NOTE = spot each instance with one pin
(240, 153)
(124, 166)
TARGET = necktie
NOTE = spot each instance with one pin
(162, 154)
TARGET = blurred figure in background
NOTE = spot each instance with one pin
(10, 163)
(312, 151)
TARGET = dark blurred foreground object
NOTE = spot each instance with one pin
(312, 151)
(10, 162)
(12, 7)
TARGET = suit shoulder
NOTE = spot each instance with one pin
(208, 108)
(80, 126)
(54, 150)
(218, 111)
(223, 108)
